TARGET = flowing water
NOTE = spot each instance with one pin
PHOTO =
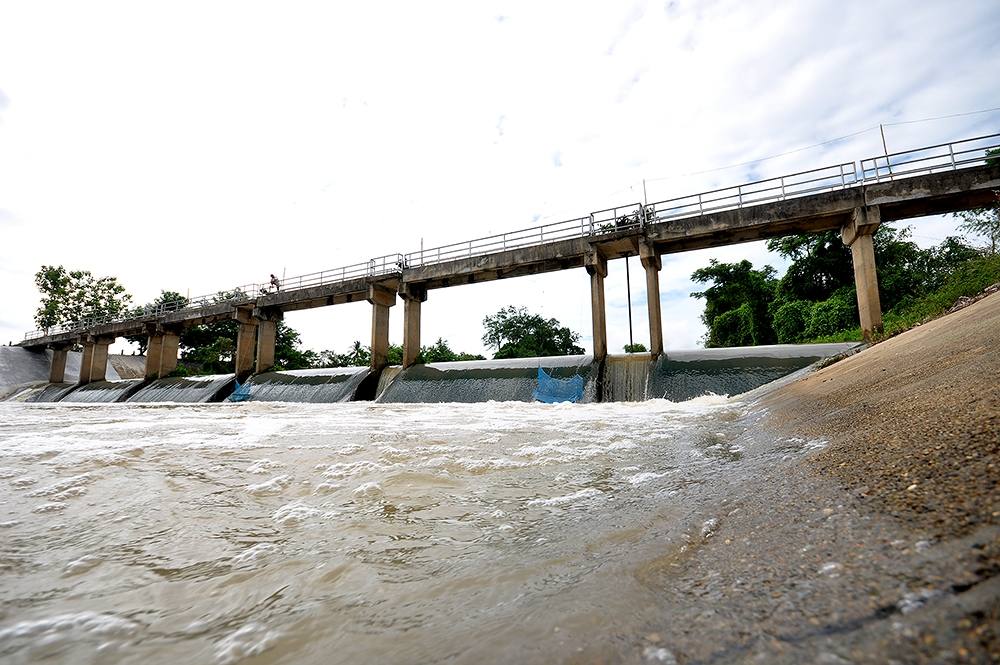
(355, 532)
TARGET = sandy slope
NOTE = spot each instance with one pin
(914, 421)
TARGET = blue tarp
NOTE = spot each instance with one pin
(552, 390)
(241, 393)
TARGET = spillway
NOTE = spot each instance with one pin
(103, 391)
(186, 389)
(332, 384)
(513, 379)
(681, 375)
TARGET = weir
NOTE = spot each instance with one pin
(681, 375)
(103, 391)
(335, 384)
(513, 379)
(186, 389)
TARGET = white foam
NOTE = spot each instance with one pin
(295, 513)
(69, 628)
(273, 486)
(264, 466)
(252, 639)
(51, 507)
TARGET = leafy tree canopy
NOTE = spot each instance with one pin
(516, 333)
(69, 296)
(736, 303)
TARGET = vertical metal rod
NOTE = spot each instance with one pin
(951, 151)
(885, 150)
(645, 200)
(628, 294)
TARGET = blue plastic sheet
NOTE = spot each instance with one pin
(241, 393)
(551, 390)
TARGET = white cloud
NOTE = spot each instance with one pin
(213, 144)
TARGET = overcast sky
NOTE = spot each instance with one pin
(193, 146)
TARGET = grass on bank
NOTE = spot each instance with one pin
(969, 279)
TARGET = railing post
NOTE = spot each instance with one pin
(782, 187)
(701, 209)
(951, 152)
(541, 234)
(739, 196)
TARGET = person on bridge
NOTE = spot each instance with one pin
(275, 282)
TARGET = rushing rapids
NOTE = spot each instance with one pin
(390, 532)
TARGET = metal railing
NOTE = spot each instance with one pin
(246, 293)
(930, 159)
(630, 217)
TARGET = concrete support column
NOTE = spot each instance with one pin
(169, 353)
(246, 341)
(94, 363)
(413, 297)
(266, 334)
(597, 267)
(57, 370)
(161, 353)
(652, 263)
(154, 351)
(381, 299)
(858, 236)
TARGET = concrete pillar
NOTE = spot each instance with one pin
(412, 296)
(597, 267)
(94, 363)
(86, 359)
(266, 334)
(154, 351)
(57, 370)
(858, 236)
(246, 340)
(169, 353)
(652, 263)
(381, 299)
(161, 353)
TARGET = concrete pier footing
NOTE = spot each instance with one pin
(652, 263)
(597, 268)
(381, 300)
(857, 235)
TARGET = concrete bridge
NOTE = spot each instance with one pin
(843, 197)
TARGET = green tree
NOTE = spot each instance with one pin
(983, 222)
(168, 300)
(69, 296)
(516, 333)
(635, 348)
(736, 303)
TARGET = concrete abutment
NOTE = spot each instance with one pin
(413, 297)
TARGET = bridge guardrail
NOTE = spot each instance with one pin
(376, 267)
(929, 159)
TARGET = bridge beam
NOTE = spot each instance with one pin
(597, 268)
(381, 299)
(857, 234)
(94, 363)
(413, 296)
(57, 368)
(267, 334)
(652, 263)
